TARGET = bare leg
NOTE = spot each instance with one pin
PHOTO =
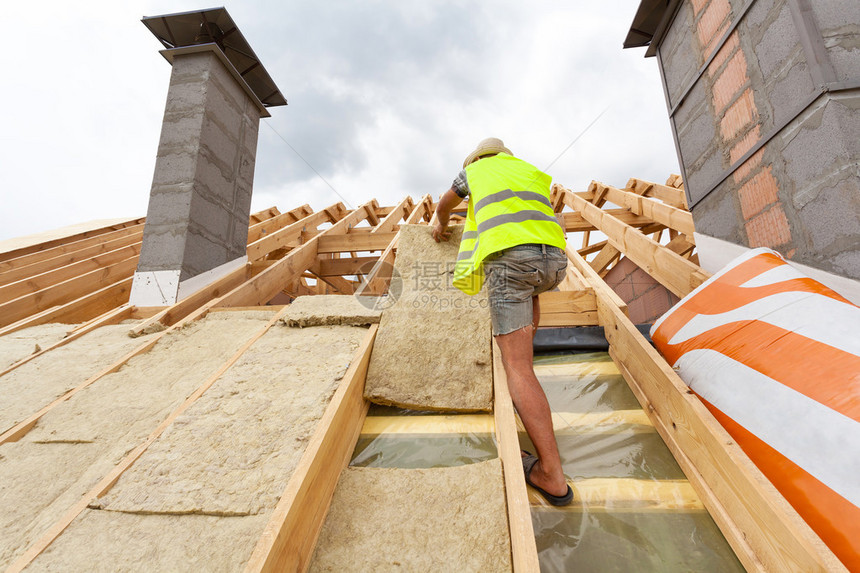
(533, 408)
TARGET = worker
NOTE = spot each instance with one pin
(513, 242)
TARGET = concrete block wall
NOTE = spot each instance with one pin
(200, 201)
(646, 299)
(800, 192)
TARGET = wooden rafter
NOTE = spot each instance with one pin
(670, 269)
(672, 217)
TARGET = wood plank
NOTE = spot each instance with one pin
(107, 482)
(270, 225)
(66, 291)
(575, 222)
(264, 286)
(80, 310)
(401, 211)
(377, 280)
(672, 217)
(50, 278)
(134, 230)
(592, 248)
(355, 242)
(670, 195)
(290, 536)
(437, 424)
(523, 547)
(759, 524)
(633, 495)
(671, 270)
(51, 243)
(345, 266)
(568, 308)
(263, 215)
(607, 255)
(30, 270)
(283, 237)
(601, 289)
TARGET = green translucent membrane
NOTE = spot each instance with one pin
(612, 536)
(411, 451)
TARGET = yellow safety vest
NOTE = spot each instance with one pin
(508, 206)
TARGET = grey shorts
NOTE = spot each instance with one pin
(514, 276)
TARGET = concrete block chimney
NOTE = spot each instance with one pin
(197, 220)
(764, 103)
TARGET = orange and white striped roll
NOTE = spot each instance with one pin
(775, 356)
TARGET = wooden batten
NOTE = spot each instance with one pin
(99, 233)
(568, 308)
(269, 225)
(523, 547)
(672, 217)
(288, 541)
(670, 269)
(286, 235)
(129, 233)
(759, 524)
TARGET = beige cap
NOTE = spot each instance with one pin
(489, 146)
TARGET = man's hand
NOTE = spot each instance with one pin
(441, 232)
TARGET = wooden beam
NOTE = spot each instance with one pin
(759, 524)
(345, 266)
(66, 291)
(98, 241)
(672, 217)
(568, 308)
(575, 222)
(601, 289)
(681, 245)
(523, 547)
(604, 258)
(268, 226)
(346, 243)
(376, 281)
(399, 212)
(670, 195)
(52, 243)
(671, 270)
(263, 287)
(64, 259)
(592, 248)
(35, 283)
(263, 215)
(290, 536)
(286, 235)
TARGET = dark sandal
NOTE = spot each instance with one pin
(529, 462)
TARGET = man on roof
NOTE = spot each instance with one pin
(513, 241)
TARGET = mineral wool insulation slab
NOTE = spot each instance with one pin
(437, 519)
(332, 309)
(27, 341)
(433, 349)
(37, 383)
(80, 440)
(199, 498)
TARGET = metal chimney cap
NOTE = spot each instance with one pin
(193, 28)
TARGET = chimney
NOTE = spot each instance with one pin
(764, 102)
(197, 220)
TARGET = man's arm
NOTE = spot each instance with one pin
(446, 204)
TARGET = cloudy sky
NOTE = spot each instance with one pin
(385, 99)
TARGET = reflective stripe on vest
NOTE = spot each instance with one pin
(508, 206)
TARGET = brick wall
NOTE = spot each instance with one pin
(646, 299)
